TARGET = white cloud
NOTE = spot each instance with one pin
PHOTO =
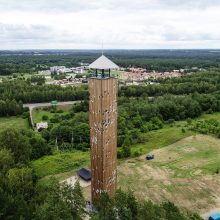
(118, 23)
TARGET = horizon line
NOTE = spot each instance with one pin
(31, 49)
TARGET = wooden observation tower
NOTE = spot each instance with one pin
(103, 127)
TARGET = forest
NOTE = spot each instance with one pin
(159, 60)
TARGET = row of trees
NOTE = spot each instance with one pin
(211, 76)
(172, 88)
(20, 90)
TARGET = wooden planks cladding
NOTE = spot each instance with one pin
(103, 135)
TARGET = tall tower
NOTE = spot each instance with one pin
(103, 127)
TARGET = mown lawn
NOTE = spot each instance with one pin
(13, 122)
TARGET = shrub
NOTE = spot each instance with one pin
(137, 153)
(44, 117)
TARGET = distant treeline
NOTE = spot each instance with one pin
(159, 60)
(20, 90)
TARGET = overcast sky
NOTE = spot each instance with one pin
(119, 24)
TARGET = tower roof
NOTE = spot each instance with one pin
(103, 63)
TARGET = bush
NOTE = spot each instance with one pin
(44, 118)
(55, 119)
(137, 153)
(25, 115)
(59, 111)
(170, 121)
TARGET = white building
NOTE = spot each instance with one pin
(57, 69)
(79, 70)
(42, 125)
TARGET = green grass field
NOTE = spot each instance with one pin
(161, 138)
(39, 112)
(59, 163)
(13, 122)
(215, 116)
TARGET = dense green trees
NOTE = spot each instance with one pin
(159, 60)
(20, 196)
(62, 202)
(6, 160)
(10, 107)
(24, 145)
(20, 90)
(39, 80)
(125, 207)
(17, 143)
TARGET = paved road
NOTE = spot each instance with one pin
(44, 104)
(31, 106)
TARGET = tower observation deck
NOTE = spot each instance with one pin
(103, 127)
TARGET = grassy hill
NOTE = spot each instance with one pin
(184, 172)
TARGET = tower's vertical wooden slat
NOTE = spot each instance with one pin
(103, 135)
